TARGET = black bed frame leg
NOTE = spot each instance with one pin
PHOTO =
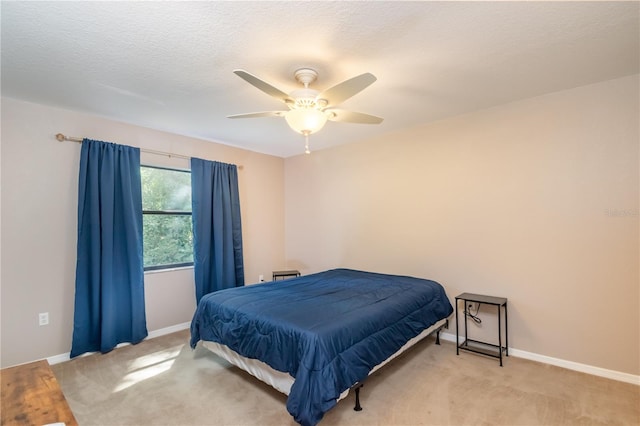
(357, 386)
(358, 407)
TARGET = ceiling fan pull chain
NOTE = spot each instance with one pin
(306, 144)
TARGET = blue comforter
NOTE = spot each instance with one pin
(327, 330)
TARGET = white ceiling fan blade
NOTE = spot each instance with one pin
(259, 114)
(343, 91)
(264, 86)
(351, 117)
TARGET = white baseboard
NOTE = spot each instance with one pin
(169, 330)
(570, 365)
(56, 359)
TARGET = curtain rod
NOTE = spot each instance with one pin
(61, 138)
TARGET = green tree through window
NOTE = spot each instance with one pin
(166, 213)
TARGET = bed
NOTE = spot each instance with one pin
(316, 336)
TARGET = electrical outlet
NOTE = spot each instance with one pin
(43, 318)
(261, 278)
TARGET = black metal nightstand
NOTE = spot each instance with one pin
(477, 346)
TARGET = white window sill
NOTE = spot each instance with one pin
(159, 271)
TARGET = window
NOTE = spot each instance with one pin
(166, 218)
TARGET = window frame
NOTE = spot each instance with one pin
(166, 213)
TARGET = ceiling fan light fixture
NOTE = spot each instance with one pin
(309, 109)
(305, 121)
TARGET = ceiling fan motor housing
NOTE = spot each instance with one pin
(305, 98)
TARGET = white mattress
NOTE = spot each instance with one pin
(283, 381)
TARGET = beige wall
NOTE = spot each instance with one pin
(536, 201)
(39, 219)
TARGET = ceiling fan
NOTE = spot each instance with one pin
(310, 109)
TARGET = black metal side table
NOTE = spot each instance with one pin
(477, 346)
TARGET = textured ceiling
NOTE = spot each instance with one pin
(168, 65)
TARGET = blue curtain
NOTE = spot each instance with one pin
(109, 299)
(217, 232)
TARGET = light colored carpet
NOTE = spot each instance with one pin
(162, 381)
